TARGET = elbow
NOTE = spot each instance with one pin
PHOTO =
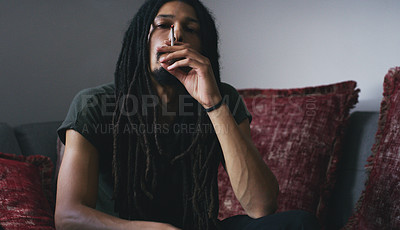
(65, 219)
(60, 220)
(267, 207)
(264, 210)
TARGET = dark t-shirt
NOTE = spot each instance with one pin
(91, 113)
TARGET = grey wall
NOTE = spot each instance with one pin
(297, 43)
(49, 50)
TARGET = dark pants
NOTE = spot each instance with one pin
(300, 220)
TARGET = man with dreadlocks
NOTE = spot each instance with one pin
(143, 152)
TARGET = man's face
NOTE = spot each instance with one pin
(186, 27)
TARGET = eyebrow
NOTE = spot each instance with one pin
(189, 19)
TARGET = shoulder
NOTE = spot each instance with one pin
(89, 108)
(106, 88)
(227, 89)
(92, 105)
(235, 103)
(97, 91)
(230, 95)
(94, 97)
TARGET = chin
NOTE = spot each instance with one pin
(163, 77)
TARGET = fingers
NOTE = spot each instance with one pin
(192, 63)
(178, 73)
(179, 51)
(171, 49)
(184, 53)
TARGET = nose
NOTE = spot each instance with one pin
(178, 32)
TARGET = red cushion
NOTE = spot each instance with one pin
(298, 133)
(379, 205)
(25, 192)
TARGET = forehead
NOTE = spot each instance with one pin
(177, 9)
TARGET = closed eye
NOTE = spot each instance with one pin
(191, 29)
(163, 26)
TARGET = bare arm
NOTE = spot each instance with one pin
(254, 184)
(77, 191)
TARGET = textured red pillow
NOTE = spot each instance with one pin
(25, 192)
(298, 133)
(379, 204)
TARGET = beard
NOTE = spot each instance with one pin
(163, 77)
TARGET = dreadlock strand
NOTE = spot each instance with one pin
(206, 163)
(129, 176)
(156, 136)
(136, 181)
(185, 200)
(148, 163)
(188, 150)
(196, 139)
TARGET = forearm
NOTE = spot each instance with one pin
(84, 217)
(254, 184)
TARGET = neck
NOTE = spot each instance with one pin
(169, 98)
(168, 94)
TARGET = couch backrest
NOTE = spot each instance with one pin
(8, 140)
(38, 138)
(360, 136)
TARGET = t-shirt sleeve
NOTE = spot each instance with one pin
(235, 103)
(89, 115)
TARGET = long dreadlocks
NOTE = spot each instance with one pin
(135, 153)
